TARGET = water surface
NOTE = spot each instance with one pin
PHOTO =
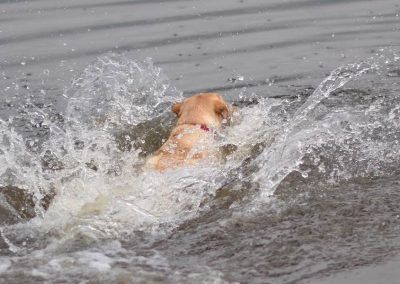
(309, 183)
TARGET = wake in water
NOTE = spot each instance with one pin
(76, 180)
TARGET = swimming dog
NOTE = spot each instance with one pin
(191, 140)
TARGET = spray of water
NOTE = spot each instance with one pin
(84, 183)
(314, 126)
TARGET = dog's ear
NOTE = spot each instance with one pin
(222, 109)
(176, 108)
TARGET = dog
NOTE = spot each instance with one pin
(192, 138)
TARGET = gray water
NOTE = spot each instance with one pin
(308, 188)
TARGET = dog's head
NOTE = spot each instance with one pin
(204, 108)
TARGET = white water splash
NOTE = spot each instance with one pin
(313, 126)
(101, 194)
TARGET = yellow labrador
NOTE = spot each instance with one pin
(192, 138)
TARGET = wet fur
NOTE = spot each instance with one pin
(188, 143)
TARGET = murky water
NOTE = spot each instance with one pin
(308, 184)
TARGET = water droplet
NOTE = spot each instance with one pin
(236, 78)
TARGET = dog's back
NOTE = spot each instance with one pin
(192, 138)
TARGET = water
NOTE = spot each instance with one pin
(308, 185)
(73, 191)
